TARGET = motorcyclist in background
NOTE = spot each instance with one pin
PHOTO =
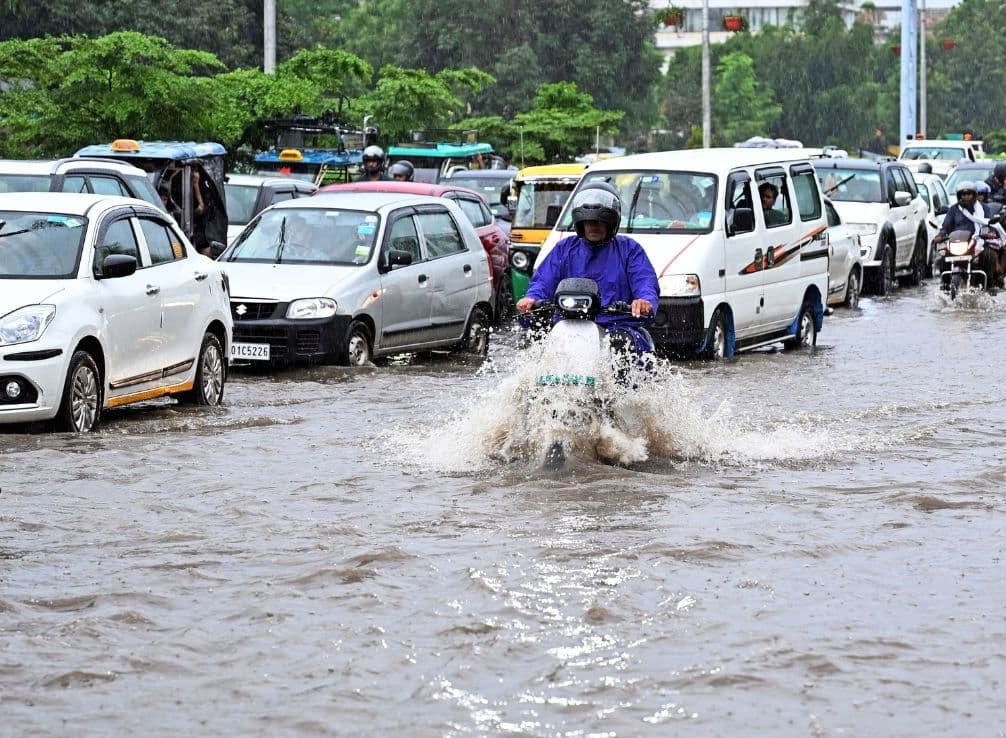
(997, 184)
(618, 264)
(373, 164)
(969, 214)
(402, 171)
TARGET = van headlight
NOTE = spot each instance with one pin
(25, 324)
(680, 285)
(310, 308)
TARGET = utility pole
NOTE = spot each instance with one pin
(706, 79)
(909, 69)
(922, 70)
(269, 36)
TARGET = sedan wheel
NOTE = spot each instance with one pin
(211, 374)
(852, 291)
(80, 408)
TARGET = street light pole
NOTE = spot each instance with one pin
(922, 70)
(706, 114)
(269, 36)
(909, 70)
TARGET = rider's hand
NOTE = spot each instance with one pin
(641, 308)
(525, 304)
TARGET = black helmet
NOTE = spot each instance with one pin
(372, 154)
(597, 201)
(999, 171)
(402, 168)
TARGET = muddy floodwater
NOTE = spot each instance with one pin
(794, 544)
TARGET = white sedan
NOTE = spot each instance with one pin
(104, 302)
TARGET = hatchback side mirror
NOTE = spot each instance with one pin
(117, 265)
(396, 257)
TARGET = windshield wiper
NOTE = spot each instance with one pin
(632, 205)
(282, 241)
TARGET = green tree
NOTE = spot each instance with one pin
(743, 107)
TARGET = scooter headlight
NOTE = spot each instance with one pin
(959, 248)
(576, 303)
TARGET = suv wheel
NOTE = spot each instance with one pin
(918, 254)
(881, 279)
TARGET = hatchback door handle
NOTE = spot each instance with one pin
(467, 268)
(153, 289)
(200, 276)
(422, 279)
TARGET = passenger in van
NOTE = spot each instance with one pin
(769, 193)
(618, 264)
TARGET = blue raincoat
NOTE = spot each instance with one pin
(620, 267)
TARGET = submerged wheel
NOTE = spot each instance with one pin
(357, 350)
(716, 338)
(806, 330)
(505, 307)
(882, 280)
(211, 374)
(476, 340)
(915, 276)
(80, 408)
(852, 289)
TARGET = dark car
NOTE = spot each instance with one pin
(474, 205)
(250, 194)
(494, 184)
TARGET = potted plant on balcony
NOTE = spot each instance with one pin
(734, 22)
(671, 16)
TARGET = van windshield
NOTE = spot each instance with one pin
(658, 201)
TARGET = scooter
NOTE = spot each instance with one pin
(579, 366)
(963, 254)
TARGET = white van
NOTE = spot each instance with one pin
(732, 276)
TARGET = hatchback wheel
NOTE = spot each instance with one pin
(852, 289)
(211, 374)
(80, 408)
(476, 340)
(357, 351)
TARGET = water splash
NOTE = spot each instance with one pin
(652, 413)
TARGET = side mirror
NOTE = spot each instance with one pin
(395, 258)
(216, 248)
(117, 265)
(552, 215)
(902, 198)
(741, 221)
(996, 217)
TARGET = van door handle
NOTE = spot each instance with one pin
(153, 289)
(200, 276)
(758, 259)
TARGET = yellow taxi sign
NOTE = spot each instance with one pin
(290, 155)
(126, 145)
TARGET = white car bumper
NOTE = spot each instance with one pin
(45, 376)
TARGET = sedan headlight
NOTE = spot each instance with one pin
(310, 308)
(680, 285)
(25, 324)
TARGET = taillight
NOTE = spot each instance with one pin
(489, 263)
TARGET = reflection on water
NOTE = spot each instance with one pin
(792, 544)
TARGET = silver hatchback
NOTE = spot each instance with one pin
(346, 277)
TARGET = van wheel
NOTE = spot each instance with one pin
(80, 408)
(881, 280)
(357, 350)
(852, 290)
(716, 338)
(211, 374)
(806, 330)
(476, 340)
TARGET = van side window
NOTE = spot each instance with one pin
(808, 201)
(774, 197)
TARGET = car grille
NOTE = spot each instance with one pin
(255, 310)
(306, 341)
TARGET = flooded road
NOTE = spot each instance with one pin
(803, 544)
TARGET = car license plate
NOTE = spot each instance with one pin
(253, 351)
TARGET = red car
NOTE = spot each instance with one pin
(474, 205)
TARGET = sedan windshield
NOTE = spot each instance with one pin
(851, 185)
(307, 236)
(40, 245)
(658, 202)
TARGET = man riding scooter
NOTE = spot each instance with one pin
(971, 215)
(618, 264)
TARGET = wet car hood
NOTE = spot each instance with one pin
(16, 293)
(285, 282)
